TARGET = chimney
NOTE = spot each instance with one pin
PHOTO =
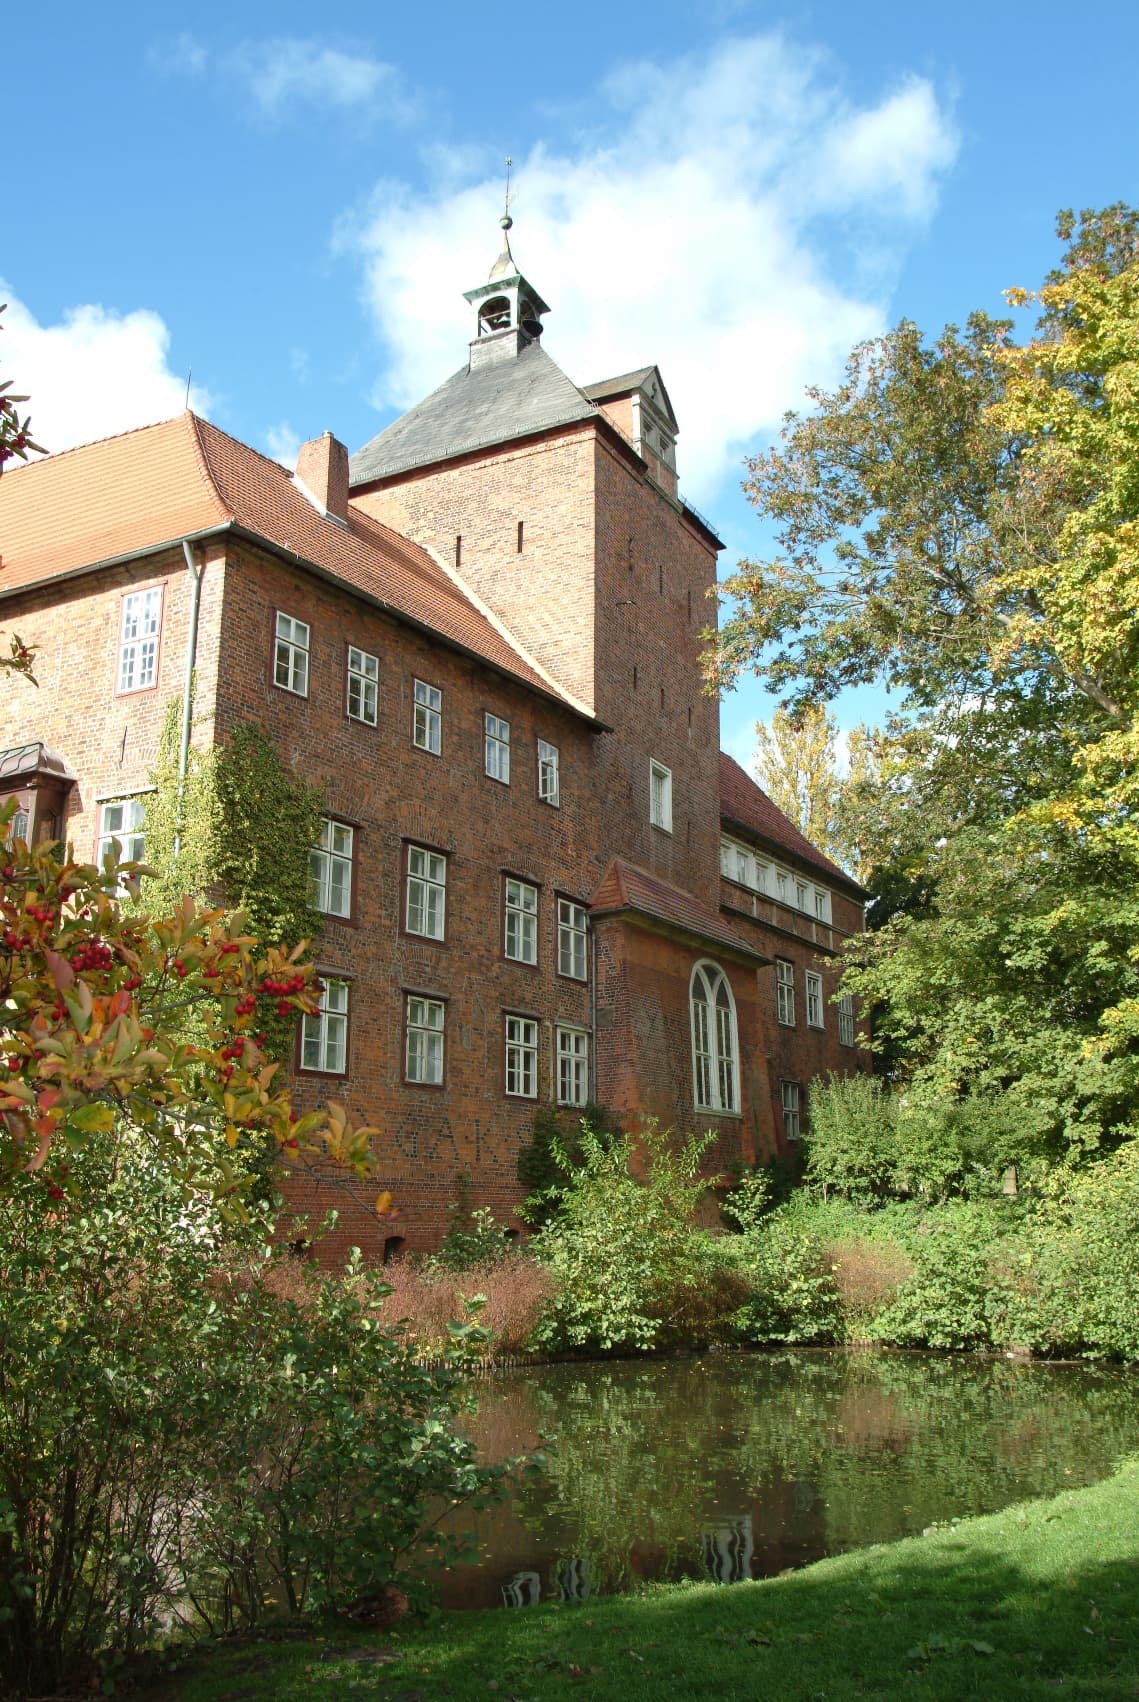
(322, 474)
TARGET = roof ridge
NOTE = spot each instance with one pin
(93, 443)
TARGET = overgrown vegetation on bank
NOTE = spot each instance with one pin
(902, 1233)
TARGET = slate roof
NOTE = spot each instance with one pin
(495, 403)
(626, 886)
(149, 488)
(746, 804)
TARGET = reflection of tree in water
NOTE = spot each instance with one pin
(626, 1485)
(894, 1441)
(686, 1466)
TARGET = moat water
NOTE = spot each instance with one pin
(739, 1466)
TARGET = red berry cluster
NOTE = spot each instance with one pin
(40, 913)
(281, 990)
(96, 954)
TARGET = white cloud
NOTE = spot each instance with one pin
(283, 443)
(95, 373)
(177, 55)
(714, 220)
(285, 71)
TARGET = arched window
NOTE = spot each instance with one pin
(715, 1043)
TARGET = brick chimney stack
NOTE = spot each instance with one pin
(322, 469)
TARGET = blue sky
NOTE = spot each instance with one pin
(291, 208)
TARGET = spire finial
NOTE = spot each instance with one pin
(506, 221)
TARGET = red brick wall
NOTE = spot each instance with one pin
(643, 1018)
(109, 741)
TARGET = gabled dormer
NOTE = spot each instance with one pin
(637, 404)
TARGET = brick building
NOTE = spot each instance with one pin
(542, 881)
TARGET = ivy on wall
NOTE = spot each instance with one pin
(238, 832)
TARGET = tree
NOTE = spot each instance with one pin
(796, 764)
(960, 521)
(96, 1001)
(16, 441)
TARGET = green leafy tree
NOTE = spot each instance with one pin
(959, 521)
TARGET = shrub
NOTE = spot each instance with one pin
(473, 1236)
(956, 1297)
(557, 1138)
(512, 1289)
(850, 1144)
(794, 1295)
(190, 1425)
(867, 1276)
(621, 1251)
(1084, 1257)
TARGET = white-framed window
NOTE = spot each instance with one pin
(715, 1047)
(290, 655)
(822, 904)
(660, 795)
(785, 991)
(814, 1000)
(728, 859)
(497, 747)
(573, 1066)
(19, 824)
(427, 718)
(121, 819)
(790, 1094)
(426, 911)
(330, 869)
(324, 1036)
(549, 780)
(423, 1047)
(522, 1057)
(845, 1020)
(573, 939)
(801, 891)
(521, 921)
(363, 686)
(138, 639)
(783, 886)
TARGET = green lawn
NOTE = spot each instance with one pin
(1040, 1600)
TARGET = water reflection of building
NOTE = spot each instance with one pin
(573, 1578)
(523, 1590)
(728, 1547)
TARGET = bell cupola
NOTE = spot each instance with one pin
(508, 309)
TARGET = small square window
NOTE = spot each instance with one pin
(290, 655)
(427, 718)
(324, 1036)
(660, 796)
(330, 869)
(423, 1054)
(573, 1066)
(573, 939)
(498, 748)
(138, 639)
(814, 1000)
(521, 921)
(549, 785)
(363, 686)
(791, 1121)
(846, 1020)
(785, 991)
(522, 1057)
(426, 912)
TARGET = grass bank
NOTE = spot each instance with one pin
(1040, 1600)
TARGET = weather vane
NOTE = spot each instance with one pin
(506, 221)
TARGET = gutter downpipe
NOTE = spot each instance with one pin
(188, 687)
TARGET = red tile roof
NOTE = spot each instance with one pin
(132, 494)
(625, 886)
(746, 804)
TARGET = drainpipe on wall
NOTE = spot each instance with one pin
(188, 688)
